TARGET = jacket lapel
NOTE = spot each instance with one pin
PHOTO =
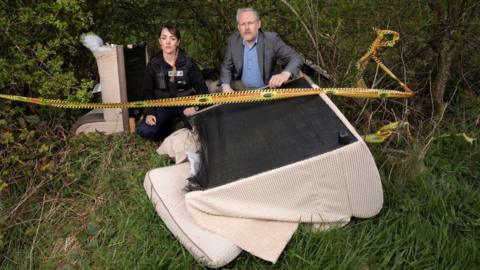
(238, 51)
(260, 54)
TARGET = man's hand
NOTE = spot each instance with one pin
(189, 111)
(279, 79)
(226, 88)
(150, 120)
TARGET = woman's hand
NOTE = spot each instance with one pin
(150, 120)
(189, 111)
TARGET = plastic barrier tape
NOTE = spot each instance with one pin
(219, 98)
(256, 95)
(386, 131)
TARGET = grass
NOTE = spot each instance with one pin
(91, 212)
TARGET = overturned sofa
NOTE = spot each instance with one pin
(263, 169)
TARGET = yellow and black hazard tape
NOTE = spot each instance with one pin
(242, 96)
(380, 41)
(258, 95)
(388, 130)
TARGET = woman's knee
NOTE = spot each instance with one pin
(147, 131)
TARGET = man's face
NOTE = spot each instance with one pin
(248, 25)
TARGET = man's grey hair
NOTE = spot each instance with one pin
(241, 10)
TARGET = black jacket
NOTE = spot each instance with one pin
(157, 85)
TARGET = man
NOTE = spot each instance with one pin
(252, 54)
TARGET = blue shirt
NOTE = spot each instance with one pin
(251, 76)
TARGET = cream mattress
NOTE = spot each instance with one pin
(164, 187)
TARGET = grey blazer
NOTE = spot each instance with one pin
(270, 48)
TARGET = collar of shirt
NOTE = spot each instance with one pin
(245, 43)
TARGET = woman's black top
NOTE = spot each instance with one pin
(188, 79)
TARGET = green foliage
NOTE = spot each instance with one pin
(40, 41)
(89, 188)
(100, 217)
(82, 179)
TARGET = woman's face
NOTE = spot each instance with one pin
(168, 42)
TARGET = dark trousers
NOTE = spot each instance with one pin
(163, 125)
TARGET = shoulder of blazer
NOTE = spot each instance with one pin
(235, 37)
(269, 35)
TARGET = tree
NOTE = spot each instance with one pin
(451, 27)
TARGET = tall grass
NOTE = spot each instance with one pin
(91, 212)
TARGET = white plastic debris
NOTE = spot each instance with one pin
(94, 43)
(194, 159)
(97, 88)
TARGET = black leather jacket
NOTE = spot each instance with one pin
(188, 79)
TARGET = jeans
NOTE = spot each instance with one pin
(162, 127)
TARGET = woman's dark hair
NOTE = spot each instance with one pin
(173, 29)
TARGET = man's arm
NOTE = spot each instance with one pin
(287, 55)
(227, 67)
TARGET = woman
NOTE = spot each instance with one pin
(170, 73)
